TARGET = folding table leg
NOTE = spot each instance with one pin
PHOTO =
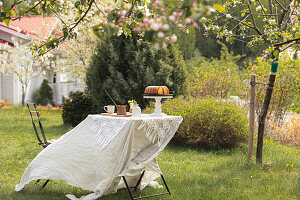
(162, 177)
(139, 181)
(45, 183)
(128, 188)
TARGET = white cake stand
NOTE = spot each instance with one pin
(157, 111)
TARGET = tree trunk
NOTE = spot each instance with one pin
(262, 118)
(24, 88)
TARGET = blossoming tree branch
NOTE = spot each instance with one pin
(157, 20)
(259, 22)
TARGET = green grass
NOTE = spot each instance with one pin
(190, 173)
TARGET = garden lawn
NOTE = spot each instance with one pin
(191, 173)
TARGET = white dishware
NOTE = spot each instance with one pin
(110, 109)
(136, 111)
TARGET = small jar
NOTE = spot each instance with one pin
(136, 111)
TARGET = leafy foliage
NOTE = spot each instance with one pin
(215, 77)
(77, 107)
(286, 90)
(44, 94)
(125, 66)
(208, 122)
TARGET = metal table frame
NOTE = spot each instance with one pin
(132, 189)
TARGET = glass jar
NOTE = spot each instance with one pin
(136, 111)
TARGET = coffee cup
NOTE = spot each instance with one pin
(110, 109)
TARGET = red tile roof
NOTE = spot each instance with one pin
(33, 25)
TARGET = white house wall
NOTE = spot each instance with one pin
(7, 88)
(34, 84)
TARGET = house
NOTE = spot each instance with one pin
(24, 31)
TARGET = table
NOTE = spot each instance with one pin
(101, 149)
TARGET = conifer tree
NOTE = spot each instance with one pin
(124, 66)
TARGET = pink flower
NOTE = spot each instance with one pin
(162, 10)
(180, 26)
(14, 8)
(194, 24)
(134, 29)
(145, 20)
(106, 10)
(154, 27)
(165, 27)
(123, 12)
(188, 20)
(151, 21)
(160, 34)
(173, 38)
(172, 18)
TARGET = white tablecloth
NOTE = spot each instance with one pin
(97, 152)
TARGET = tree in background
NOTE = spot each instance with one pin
(125, 66)
(44, 94)
(18, 60)
(76, 54)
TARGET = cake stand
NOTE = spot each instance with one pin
(157, 111)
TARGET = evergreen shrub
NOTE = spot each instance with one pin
(208, 123)
(77, 107)
(44, 94)
(125, 66)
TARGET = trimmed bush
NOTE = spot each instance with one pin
(209, 123)
(77, 107)
(44, 94)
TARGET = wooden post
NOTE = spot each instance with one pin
(251, 116)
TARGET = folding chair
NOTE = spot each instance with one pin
(35, 118)
(132, 189)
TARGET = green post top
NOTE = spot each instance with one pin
(274, 67)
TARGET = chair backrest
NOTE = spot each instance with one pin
(35, 118)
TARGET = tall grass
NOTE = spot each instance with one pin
(191, 173)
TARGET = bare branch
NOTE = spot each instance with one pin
(29, 9)
(240, 23)
(266, 14)
(131, 8)
(271, 6)
(286, 42)
(280, 5)
(253, 20)
(57, 15)
(100, 10)
(13, 5)
(262, 7)
(83, 16)
(287, 46)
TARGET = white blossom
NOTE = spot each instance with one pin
(258, 8)
(154, 26)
